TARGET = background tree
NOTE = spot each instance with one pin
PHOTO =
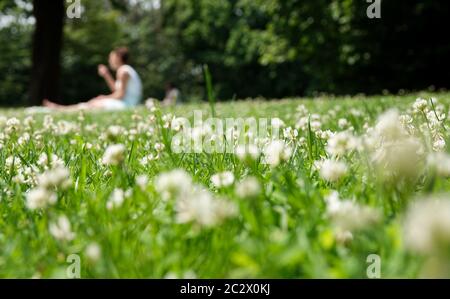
(47, 45)
(15, 58)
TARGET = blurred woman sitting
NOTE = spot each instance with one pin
(126, 89)
(172, 95)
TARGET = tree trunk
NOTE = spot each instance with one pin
(47, 45)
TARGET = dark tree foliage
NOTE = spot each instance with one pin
(406, 49)
(283, 48)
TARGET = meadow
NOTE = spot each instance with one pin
(352, 187)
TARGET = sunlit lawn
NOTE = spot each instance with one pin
(107, 187)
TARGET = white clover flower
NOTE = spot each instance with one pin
(233, 134)
(114, 155)
(136, 117)
(93, 252)
(440, 162)
(401, 158)
(12, 124)
(57, 162)
(23, 139)
(333, 201)
(19, 179)
(248, 188)
(315, 125)
(116, 199)
(223, 179)
(40, 198)
(277, 123)
(30, 171)
(439, 144)
(247, 152)
(434, 122)
(144, 128)
(132, 134)
(88, 146)
(90, 127)
(48, 123)
(142, 182)
(395, 153)
(302, 110)
(173, 184)
(13, 161)
(290, 133)
(349, 216)
(356, 112)
(427, 226)
(65, 127)
(343, 237)
(420, 105)
(224, 209)
(178, 123)
(302, 140)
(341, 143)
(405, 119)
(145, 160)
(61, 230)
(167, 120)
(331, 170)
(388, 126)
(343, 123)
(114, 131)
(302, 123)
(43, 161)
(276, 152)
(201, 208)
(159, 147)
(55, 178)
(325, 135)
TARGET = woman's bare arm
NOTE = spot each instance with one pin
(123, 77)
(104, 72)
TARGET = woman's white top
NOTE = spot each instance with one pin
(133, 92)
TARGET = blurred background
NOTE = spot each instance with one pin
(254, 48)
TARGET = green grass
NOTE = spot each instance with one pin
(284, 232)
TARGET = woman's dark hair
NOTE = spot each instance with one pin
(123, 53)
